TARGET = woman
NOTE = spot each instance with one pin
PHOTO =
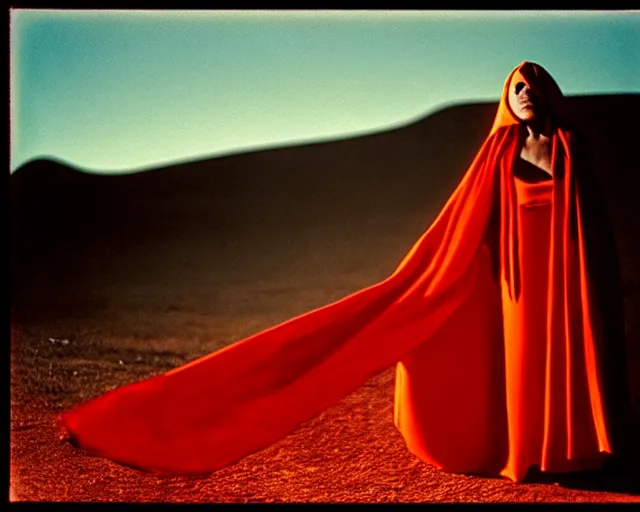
(494, 316)
(538, 395)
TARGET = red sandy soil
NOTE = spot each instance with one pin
(350, 453)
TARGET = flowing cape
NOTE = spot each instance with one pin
(224, 406)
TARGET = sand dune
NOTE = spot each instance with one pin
(362, 189)
(324, 209)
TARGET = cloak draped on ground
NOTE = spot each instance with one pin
(438, 315)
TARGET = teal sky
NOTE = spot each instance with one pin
(122, 91)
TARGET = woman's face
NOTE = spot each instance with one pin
(525, 101)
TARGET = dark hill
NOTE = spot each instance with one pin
(312, 211)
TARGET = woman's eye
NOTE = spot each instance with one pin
(519, 87)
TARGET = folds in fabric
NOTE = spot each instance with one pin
(224, 406)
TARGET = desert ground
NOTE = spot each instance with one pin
(115, 279)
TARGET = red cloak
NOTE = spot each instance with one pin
(439, 315)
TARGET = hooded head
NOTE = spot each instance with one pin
(530, 95)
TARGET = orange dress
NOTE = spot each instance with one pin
(530, 370)
(497, 368)
(504, 384)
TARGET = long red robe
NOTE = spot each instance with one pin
(440, 314)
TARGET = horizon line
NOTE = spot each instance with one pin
(259, 147)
